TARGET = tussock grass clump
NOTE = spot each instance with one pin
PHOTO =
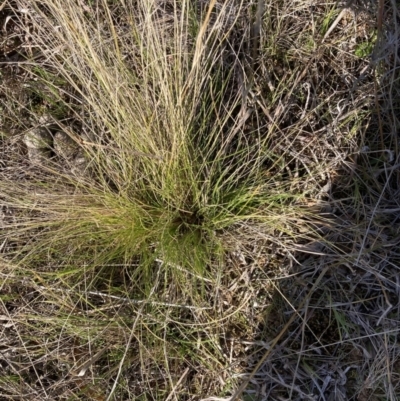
(156, 98)
(161, 92)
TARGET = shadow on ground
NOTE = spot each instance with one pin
(338, 310)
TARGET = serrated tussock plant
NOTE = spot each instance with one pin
(157, 97)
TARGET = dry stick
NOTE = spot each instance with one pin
(241, 388)
(178, 383)
(338, 19)
(334, 24)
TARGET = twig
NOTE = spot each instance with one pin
(178, 383)
(334, 24)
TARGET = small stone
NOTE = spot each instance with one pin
(38, 142)
(79, 166)
(65, 146)
(67, 149)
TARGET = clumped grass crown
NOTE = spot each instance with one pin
(163, 123)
